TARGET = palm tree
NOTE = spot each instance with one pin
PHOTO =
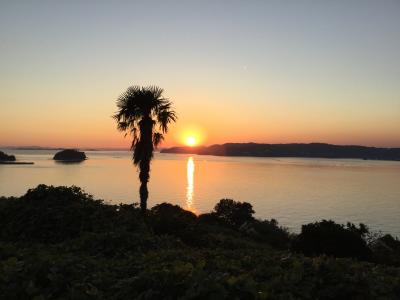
(145, 114)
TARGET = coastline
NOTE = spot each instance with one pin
(294, 150)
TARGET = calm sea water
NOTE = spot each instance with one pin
(294, 191)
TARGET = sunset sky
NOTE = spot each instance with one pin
(236, 71)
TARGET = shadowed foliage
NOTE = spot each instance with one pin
(54, 214)
(386, 250)
(239, 215)
(234, 213)
(330, 238)
(60, 243)
(270, 232)
(171, 219)
(144, 113)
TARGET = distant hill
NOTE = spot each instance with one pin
(291, 150)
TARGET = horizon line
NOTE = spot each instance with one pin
(35, 147)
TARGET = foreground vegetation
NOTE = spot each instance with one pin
(60, 243)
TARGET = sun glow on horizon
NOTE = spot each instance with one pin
(191, 141)
(189, 135)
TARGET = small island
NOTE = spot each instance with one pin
(6, 157)
(70, 155)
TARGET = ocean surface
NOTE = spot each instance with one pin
(294, 191)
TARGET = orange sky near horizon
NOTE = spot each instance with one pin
(77, 124)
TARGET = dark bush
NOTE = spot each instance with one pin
(171, 219)
(271, 233)
(327, 237)
(390, 241)
(386, 250)
(129, 218)
(209, 218)
(234, 213)
(52, 214)
(362, 229)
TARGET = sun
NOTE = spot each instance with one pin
(190, 136)
(191, 141)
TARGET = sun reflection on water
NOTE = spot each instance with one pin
(190, 184)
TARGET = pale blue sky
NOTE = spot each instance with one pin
(265, 71)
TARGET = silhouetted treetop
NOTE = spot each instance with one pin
(234, 213)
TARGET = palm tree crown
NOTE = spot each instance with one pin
(144, 113)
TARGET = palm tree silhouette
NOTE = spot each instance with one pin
(145, 114)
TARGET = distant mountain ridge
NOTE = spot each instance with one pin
(312, 150)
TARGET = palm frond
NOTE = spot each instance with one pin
(157, 138)
(139, 103)
(164, 118)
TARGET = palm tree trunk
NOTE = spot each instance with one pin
(144, 176)
(146, 153)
